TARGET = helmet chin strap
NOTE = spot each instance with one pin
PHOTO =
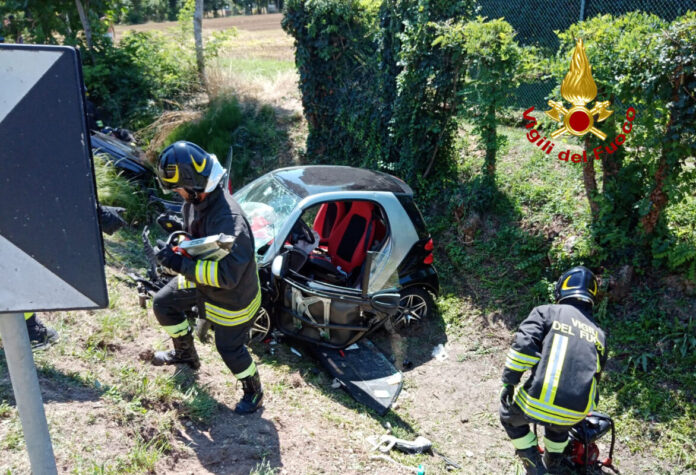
(194, 197)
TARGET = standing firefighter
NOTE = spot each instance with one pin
(227, 290)
(565, 350)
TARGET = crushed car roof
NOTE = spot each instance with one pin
(315, 179)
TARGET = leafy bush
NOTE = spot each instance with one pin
(493, 57)
(640, 62)
(247, 134)
(423, 126)
(377, 89)
(146, 73)
(335, 56)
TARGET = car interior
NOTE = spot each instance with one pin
(333, 239)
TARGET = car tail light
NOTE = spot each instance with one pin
(428, 260)
(429, 245)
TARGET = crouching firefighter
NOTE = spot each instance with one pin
(227, 290)
(565, 351)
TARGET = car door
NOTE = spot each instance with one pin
(326, 292)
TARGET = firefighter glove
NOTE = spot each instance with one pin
(506, 394)
(166, 257)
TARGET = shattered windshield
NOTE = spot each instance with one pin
(267, 204)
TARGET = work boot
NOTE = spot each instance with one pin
(253, 395)
(556, 463)
(40, 336)
(184, 352)
(531, 460)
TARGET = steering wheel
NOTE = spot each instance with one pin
(301, 232)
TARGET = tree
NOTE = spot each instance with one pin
(198, 37)
(85, 22)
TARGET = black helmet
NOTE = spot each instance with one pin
(576, 283)
(186, 165)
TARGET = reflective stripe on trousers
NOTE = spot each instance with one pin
(229, 318)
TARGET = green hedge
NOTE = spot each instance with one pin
(335, 56)
(377, 89)
(640, 61)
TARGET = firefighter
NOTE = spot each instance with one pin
(40, 336)
(565, 350)
(228, 290)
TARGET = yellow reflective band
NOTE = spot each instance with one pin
(513, 365)
(555, 447)
(177, 330)
(554, 368)
(547, 412)
(230, 318)
(200, 272)
(545, 416)
(522, 358)
(250, 371)
(183, 283)
(27, 315)
(525, 442)
(557, 374)
(212, 273)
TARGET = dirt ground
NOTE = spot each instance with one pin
(306, 426)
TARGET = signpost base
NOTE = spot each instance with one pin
(25, 384)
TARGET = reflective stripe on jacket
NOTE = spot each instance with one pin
(232, 283)
(565, 351)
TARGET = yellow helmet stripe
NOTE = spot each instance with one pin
(594, 292)
(175, 178)
(565, 284)
(199, 168)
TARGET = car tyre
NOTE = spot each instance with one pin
(416, 304)
(261, 327)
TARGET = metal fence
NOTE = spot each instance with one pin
(535, 23)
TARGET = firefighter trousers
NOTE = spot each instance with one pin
(516, 424)
(169, 305)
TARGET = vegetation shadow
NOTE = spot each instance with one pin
(56, 385)
(491, 256)
(234, 443)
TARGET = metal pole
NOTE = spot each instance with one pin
(582, 10)
(25, 384)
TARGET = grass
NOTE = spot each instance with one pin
(538, 226)
(252, 68)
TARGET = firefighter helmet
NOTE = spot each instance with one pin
(576, 283)
(186, 165)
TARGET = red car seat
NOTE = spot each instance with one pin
(329, 215)
(352, 237)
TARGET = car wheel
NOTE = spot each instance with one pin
(416, 304)
(261, 327)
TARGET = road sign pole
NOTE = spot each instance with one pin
(25, 384)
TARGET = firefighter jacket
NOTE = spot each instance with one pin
(565, 351)
(229, 287)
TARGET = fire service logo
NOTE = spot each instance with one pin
(578, 88)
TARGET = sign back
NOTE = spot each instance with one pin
(51, 255)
